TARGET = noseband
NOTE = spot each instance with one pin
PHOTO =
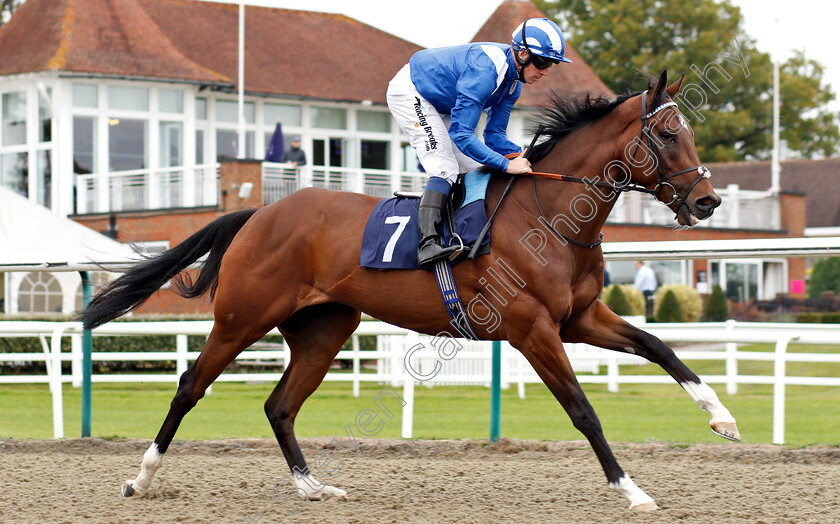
(663, 176)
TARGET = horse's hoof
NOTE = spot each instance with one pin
(645, 506)
(727, 430)
(128, 490)
(333, 493)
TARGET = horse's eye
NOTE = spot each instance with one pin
(665, 135)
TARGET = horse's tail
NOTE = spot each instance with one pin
(136, 285)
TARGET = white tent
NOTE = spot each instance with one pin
(33, 240)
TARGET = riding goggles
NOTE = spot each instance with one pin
(542, 62)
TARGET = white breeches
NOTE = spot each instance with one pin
(426, 129)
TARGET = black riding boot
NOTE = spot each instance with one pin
(430, 219)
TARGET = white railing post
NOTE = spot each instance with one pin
(305, 173)
(103, 190)
(612, 373)
(356, 365)
(54, 371)
(734, 202)
(76, 362)
(779, 390)
(188, 185)
(181, 355)
(731, 361)
(408, 408)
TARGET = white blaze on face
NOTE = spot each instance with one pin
(706, 398)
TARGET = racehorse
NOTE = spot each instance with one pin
(294, 265)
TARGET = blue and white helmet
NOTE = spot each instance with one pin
(541, 37)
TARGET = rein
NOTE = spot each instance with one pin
(662, 176)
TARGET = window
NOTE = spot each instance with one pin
(228, 111)
(328, 117)
(201, 109)
(285, 114)
(128, 98)
(127, 148)
(171, 101)
(14, 172)
(171, 144)
(377, 121)
(84, 145)
(375, 154)
(84, 95)
(40, 292)
(199, 147)
(44, 167)
(227, 144)
(14, 118)
(44, 116)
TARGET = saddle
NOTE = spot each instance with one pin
(391, 234)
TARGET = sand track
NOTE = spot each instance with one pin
(420, 481)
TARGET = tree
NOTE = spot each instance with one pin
(717, 308)
(618, 302)
(669, 309)
(825, 276)
(619, 38)
(7, 8)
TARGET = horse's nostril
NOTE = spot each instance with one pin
(708, 203)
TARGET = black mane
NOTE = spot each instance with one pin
(564, 115)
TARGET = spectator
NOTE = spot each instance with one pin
(295, 155)
(645, 282)
(606, 278)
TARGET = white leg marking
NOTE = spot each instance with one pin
(706, 398)
(315, 490)
(152, 460)
(638, 498)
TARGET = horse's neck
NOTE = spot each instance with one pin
(584, 154)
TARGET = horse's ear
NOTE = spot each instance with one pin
(674, 88)
(660, 85)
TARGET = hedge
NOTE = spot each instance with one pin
(691, 305)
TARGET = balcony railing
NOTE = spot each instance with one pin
(739, 209)
(164, 188)
(280, 180)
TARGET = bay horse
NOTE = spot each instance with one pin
(294, 265)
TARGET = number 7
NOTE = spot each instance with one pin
(392, 242)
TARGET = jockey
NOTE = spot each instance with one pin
(438, 98)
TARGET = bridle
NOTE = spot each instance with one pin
(662, 176)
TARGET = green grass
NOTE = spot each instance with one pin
(638, 413)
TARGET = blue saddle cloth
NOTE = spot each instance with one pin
(392, 236)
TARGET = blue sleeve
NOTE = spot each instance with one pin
(474, 87)
(498, 116)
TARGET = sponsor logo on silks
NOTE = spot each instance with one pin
(418, 108)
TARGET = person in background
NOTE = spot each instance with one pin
(606, 277)
(645, 282)
(295, 155)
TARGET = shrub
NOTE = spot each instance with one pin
(825, 276)
(618, 302)
(717, 308)
(691, 305)
(669, 309)
(634, 297)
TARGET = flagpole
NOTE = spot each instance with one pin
(240, 150)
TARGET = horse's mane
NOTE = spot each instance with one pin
(565, 114)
